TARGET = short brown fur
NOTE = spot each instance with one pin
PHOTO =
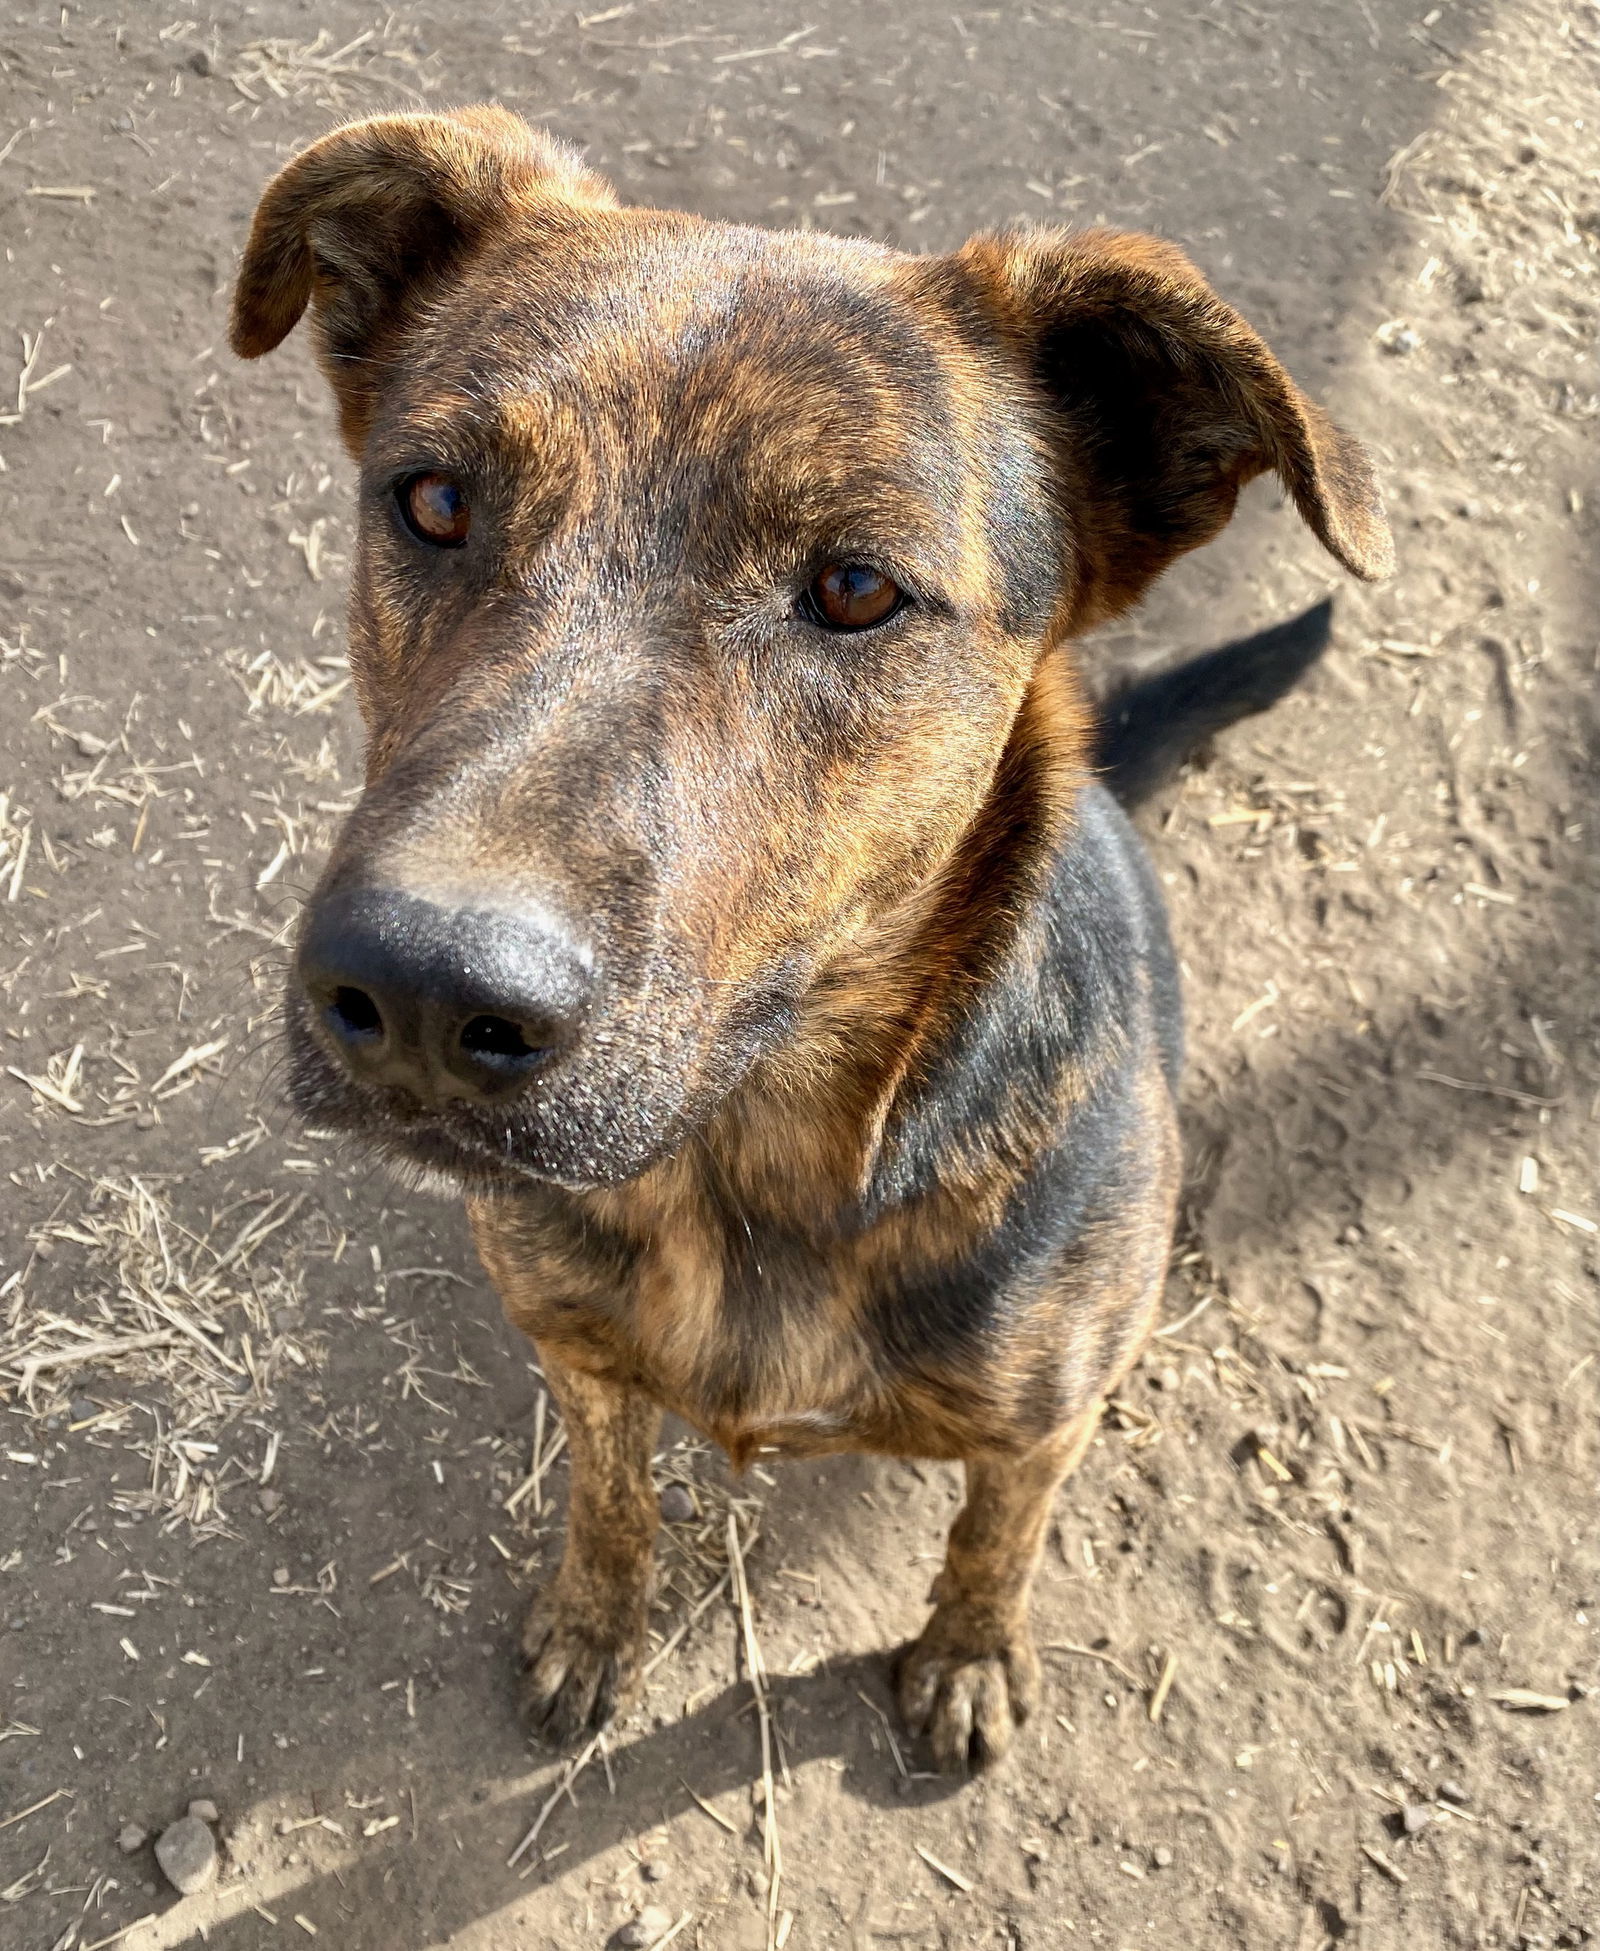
(871, 1141)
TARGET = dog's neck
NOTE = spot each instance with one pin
(807, 1138)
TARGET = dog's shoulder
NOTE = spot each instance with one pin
(1028, 1182)
(1085, 993)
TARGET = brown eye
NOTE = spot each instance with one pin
(435, 510)
(853, 596)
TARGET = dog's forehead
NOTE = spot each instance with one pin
(665, 376)
(635, 307)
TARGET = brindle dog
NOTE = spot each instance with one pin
(734, 911)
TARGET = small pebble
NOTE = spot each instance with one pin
(82, 1410)
(200, 63)
(1454, 1792)
(677, 1506)
(131, 1838)
(281, 1575)
(1161, 1856)
(1398, 337)
(1415, 1817)
(203, 1809)
(187, 1853)
(269, 1499)
(653, 1870)
(641, 1931)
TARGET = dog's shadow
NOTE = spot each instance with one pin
(428, 1885)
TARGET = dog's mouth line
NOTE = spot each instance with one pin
(381, 1127)
(471, 1160)
(445, 1158)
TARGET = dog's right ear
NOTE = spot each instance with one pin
(373, 216)
(1164, 403)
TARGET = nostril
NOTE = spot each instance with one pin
(441, 1004)
(354, 1016)
(499, 1039)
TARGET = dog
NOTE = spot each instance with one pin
(739, 910)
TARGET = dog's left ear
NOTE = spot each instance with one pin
(1166, 404)
(366, 225)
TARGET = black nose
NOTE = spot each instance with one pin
(441, 1001)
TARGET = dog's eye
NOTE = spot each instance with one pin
(852, 596)
(435, 509)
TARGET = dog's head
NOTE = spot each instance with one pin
(703, 576)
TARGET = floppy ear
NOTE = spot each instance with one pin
(374, 215)
(1168, 404)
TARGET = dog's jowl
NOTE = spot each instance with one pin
(739, 910)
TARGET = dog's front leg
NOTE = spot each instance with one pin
(585, 1636)
(973, 1676)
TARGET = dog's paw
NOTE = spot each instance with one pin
(577, 1673)
(968, 1687)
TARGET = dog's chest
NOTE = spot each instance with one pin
(756, 1337)
(762, 1339)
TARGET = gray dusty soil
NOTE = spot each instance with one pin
(266, 1517)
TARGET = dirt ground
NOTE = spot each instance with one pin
(274, 1484)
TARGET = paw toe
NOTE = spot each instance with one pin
(575, 1679)
(969, 1701)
